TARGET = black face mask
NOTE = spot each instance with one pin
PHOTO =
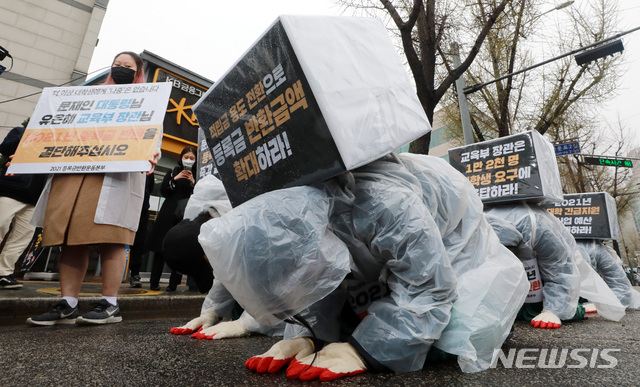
(122, 75)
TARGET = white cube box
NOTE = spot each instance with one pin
(313, 97)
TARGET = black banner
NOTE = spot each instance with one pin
(585, 215)
(205, 160)
(31, 254)
(263, 124)
(504, 169)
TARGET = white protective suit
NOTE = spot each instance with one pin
(420, 231)
(208, 193)
(608, 264)
(565, 274)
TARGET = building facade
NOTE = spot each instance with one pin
(49, 43)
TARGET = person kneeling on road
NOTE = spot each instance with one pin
(221, 317)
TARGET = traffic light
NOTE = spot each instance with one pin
(599, 52)
(3, 53)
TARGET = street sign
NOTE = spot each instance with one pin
(608, 161)
(567, 148)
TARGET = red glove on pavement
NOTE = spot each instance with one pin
(546, 320)
(280, 354)
(206, 319)
(334, 361)
(222, 330)
(590, 307)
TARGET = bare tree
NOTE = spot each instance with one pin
(578, 177)
(425, 30)
(619, 182)
(631, 242)
(541, 98)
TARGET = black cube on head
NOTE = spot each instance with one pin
(513, 168)
(591, 215)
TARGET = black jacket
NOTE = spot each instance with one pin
(174, 191)
(24, 188)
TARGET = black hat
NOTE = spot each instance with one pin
(183, 253)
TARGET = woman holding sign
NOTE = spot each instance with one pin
(83, 211)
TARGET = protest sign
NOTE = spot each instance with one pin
(590, 215)
(89, 129)
(205, 160)
(517, 167)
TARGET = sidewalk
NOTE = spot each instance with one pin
(37, 297)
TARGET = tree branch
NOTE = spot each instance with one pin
(455, 74)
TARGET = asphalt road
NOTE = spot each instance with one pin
(143, 353)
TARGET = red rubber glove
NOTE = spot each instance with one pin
(206, 319)
(590, 307)
(222, 330)
(280, 354)
(334, 361)
(546, 320)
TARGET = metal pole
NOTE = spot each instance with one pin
(476, 87)
(465, 116)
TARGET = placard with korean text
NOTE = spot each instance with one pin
(91, 129)
(263, 125)
(587, 215)
(503, 169)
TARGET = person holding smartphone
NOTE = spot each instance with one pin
(176, 188)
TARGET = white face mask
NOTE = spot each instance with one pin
(188, 162)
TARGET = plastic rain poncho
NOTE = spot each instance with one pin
(565, 274)
(492, 284)
(222, 303)
(278, 252)
(393, 238)
(275, 253)
(608, 265)
(209, 195)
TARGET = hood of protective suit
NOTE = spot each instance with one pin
(208, 195)
(274, 253)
